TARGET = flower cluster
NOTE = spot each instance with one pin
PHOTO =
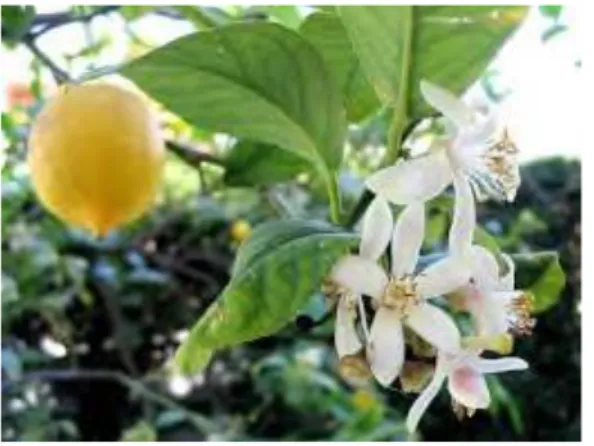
(414, 308)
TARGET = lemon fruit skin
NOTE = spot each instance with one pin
(96, 156)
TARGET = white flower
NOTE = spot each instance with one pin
(495, 305)
(375, 237)
(464, 372)
(492, 300)
(401, 297)
(477, 145)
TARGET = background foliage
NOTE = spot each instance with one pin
(88, 324)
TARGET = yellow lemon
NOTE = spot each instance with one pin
(240, 230)
(96, 156)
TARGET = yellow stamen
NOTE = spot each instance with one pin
(401, 294)
(500, 160)
(505, 144)
(521, 308)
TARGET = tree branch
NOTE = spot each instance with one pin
(118, 328)
(192, 156)
(54, 20)
(59, 75)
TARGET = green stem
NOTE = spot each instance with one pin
(400, 118)
(400, 127)
(395, 138)
(362, 203)
(334, 197)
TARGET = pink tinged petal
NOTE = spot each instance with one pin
(412, 181)
(407, 239)
(507, 282)
(500, 365)
(442, 277)
(419, 407)
(435, 326)
(464, 221)
(485, 269)
(385, 351)
(449, 105)
(377, 229)
(469, 388)
(346, 338)
(360, 275)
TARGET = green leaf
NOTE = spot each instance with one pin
(203, 17)
(287, 15)
(326, 32)
(16, 21)
(448, 45)
(257, 81)
(551, 11)
(133, 12)
(251, 163)
(504, 401)
(191, 357)
(379, 35)
(326, 8)
(170, 418)
(486, 240)
(275, 273)
(141, 431)
(441, 50)
(542, 275)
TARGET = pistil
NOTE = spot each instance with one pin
(401, 294)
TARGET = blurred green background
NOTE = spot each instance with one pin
(88, 324)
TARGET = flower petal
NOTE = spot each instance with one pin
(360, 275)
(464, 221)
(469, 388)
(500, 365)
(346, 339)
(412, 181)
(485, 270)
(407, 239)
(470, 144)
(449, 105)
(435, 326)
(442, 277)
(386, 346)
(507, 281)
(419, 407)
(489, 311)
(377, 229)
